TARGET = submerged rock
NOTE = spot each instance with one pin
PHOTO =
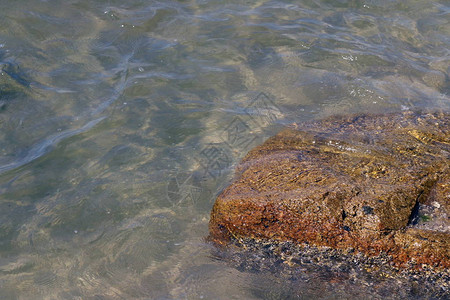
(365, 184)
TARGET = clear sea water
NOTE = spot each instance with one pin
(121, 121)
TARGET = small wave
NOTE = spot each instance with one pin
(44, 146)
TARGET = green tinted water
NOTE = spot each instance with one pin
(121, 121)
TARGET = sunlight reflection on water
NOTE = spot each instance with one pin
(122, 121)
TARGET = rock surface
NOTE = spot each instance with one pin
(361, 183)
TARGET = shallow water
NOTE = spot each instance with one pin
(121, 121)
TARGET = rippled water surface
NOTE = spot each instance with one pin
(122, 120)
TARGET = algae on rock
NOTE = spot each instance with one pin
(346, 182)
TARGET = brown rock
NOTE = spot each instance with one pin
(346, 182)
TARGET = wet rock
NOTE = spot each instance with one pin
(356, 182)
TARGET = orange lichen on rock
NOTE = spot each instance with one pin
(346, 182)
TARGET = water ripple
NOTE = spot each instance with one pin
(45, 146)
(161, 81)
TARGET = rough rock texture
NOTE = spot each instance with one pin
(358, 183)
